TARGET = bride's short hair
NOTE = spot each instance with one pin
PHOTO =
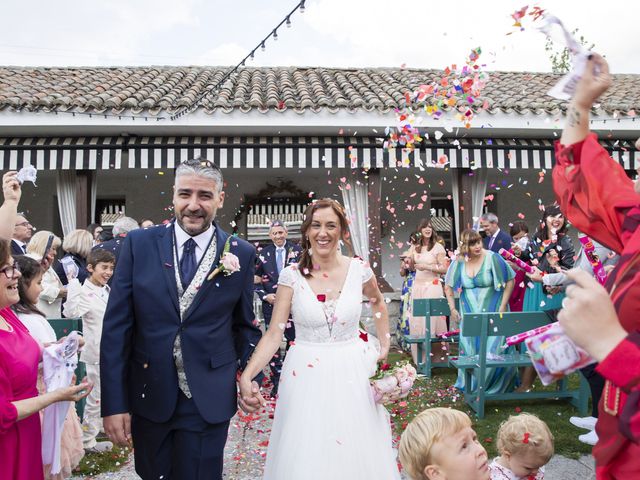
(306, 264)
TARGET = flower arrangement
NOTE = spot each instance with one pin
(229, 263)
(392, 384)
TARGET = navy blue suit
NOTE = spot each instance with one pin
(16, 249)
(138, 374)
(503, 240)
(267, 270)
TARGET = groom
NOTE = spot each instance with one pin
(175, 333)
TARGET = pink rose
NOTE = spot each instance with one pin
(230, 263)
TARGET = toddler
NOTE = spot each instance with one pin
(439, 444)
(525, 444)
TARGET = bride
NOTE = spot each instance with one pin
(326, 424)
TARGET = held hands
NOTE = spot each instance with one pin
(11, 187)
(118, 428)
(249, 396)
(588, 316)
(270, 298)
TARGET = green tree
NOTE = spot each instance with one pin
(561, 59)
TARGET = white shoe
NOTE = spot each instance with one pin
(588, 423)
(590, 438)
(100, 447)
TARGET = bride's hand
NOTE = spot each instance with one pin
(384, 353)
(249, 397)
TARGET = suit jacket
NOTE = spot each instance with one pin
(267, 269)
(15, 248)
(142, 319)
(503, 240)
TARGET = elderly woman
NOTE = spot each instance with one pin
(20, 438)
(53, 291)
(600, 200)
(485, 282)
(77, 246)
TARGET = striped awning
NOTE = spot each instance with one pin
(62, 153)
(101, 153)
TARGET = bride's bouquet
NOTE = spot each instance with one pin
(392, 384)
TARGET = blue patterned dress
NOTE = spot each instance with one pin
(483, 293)
(405, 309)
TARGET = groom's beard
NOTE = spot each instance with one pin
(194, 229)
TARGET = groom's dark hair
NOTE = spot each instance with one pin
(203, 168)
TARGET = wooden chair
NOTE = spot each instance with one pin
(427, 308)
(485, 325)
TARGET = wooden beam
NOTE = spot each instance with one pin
(83, 198)
(374, 186)
(464, 215)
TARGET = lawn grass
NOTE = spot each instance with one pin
(94, 463)
(438, 391)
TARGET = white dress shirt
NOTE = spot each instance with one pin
(202, 241)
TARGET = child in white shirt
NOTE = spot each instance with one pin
(525, 444)
(89, 301)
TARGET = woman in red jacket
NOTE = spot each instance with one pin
(599, 199)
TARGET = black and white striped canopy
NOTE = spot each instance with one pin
(101, 153)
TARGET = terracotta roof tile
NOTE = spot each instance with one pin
(166, 89)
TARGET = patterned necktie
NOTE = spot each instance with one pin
(491, 242)
(280, 259)
(188, 264)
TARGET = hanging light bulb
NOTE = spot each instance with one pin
(302, 6)
(251, 57)
(263, 47)
(275, 35)
(288, 22)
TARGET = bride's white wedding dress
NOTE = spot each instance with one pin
(326, 425)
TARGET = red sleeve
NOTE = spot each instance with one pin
(584, 179)
(8, 412)
(622, 368)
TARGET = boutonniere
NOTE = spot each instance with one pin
(291, 253)
(228, 264)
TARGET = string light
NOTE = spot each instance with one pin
(262, 45)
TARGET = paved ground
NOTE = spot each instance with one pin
(248, 441)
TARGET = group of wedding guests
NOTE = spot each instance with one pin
(45, 289)
(486, 282)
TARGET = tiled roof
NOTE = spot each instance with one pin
(156, 90)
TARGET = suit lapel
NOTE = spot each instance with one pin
(165, 247)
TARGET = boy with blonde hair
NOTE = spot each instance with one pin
(439, 444)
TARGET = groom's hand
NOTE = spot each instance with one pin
(249, 398)
(118, 428)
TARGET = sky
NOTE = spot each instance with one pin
(330, 33)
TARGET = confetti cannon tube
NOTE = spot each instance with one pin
(521, 337)
(596, 264)
(507, 255)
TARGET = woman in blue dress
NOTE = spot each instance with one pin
(484, 282)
